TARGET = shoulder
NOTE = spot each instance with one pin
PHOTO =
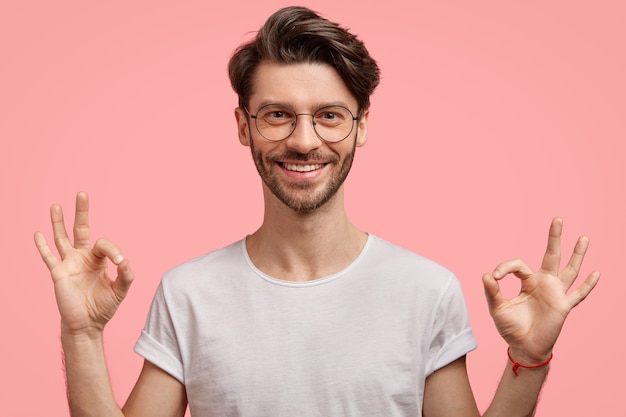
(399, 261)
(212, 264)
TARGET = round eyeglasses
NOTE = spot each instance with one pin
(276, 122)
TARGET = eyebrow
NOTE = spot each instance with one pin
(314, 108)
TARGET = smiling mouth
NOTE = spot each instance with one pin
(302, 168)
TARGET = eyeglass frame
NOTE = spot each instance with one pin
(295, 124)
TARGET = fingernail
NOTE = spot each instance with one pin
(496, 274)
(118, 259)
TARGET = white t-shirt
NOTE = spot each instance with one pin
(357, 343)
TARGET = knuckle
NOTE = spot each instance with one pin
(102, 243)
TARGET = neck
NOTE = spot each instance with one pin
(303, 246)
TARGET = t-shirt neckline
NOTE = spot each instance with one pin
(302, 284)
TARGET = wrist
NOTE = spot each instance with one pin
(526, 365)
(84, 334)
(530, 359)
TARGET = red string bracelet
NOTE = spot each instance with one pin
(517, 365)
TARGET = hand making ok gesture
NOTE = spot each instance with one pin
(531, 322)
(87, 298)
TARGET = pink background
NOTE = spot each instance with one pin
(491, 118)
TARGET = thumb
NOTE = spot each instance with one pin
(104, 248)
(492, 291)
(125, 277)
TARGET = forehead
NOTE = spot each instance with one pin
(303, 86)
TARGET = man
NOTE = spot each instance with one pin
(308, 315)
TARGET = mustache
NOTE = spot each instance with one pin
(301, 157)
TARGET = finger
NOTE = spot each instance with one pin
(124, 279)
(81, 221)
(61, 240)
(552, 258)
(492, 292)
(571, 270)
(44, 250)
(104, 248)
(581, 293)
(514, 266)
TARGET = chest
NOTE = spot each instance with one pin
(294, 354)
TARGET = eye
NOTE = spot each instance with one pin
(332, 116)
(276, 115)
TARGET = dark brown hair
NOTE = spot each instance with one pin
(297, 35)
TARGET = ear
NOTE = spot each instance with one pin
(243, 129)
(361, 136)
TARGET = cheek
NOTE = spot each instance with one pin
(345, 147)
(261, 149)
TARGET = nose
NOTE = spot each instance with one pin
(303, 139)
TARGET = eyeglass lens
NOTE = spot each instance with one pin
(331, 123)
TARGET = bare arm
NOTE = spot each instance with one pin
(530, 323)
(448, 392)
(89, 390)
(87, 299)
(156, 393)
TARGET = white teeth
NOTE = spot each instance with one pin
(302, 168)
